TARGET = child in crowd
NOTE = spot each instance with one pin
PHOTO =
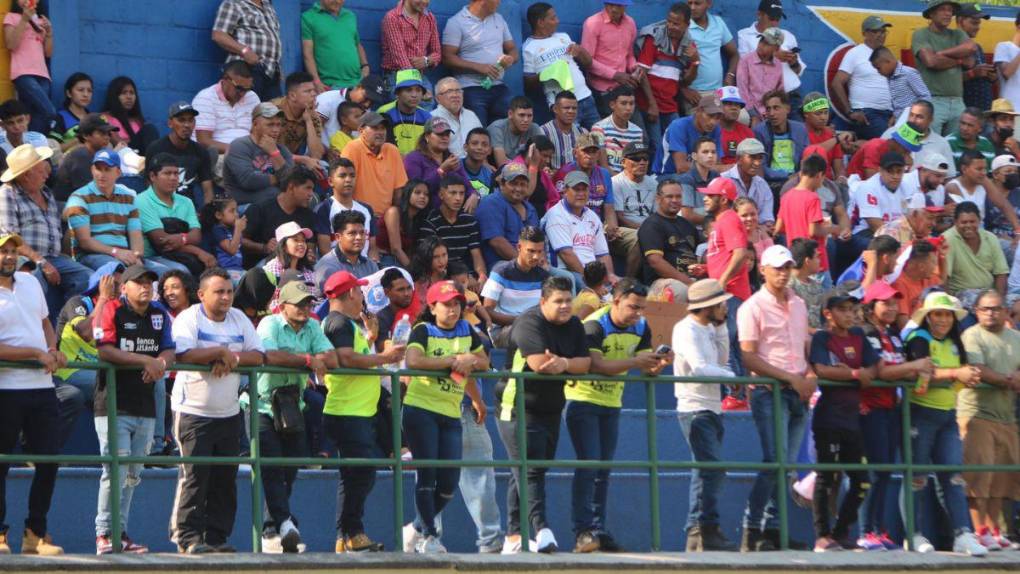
(221, 216)
(474, 313)
(349, 115)
(707, 222)
(595, 288)
(804, 282)
(840, 353)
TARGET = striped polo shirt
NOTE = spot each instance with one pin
(109, 219)
(615, 139)
(513, 289)
(460, 237)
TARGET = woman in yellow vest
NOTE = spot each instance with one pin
(935, 434)
(441, 341)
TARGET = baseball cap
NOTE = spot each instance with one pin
(933, 4)
(723, 186)
(137, 272)
(407, 79)
(891, 159)
(1003, 160)
(774, 8)
(575, 178)
(973, 11)
(750, 146)
(874, 23)
(836, 297)
(375, 88)
(513, 170)
(710, 104)
(816, 150)
(95, 122)
(290, 229)
(437, 125)
(181, 107)
(6, 236)
(295, 293)
(266, 110)
(442, 292)
(730, 94)
(587, 140)
(340, 283)
(372, 119)
(106, 269)
(908, 136)
(107, 156)
(880, 291)
(934, 161)
(776, 256)
(635, 148)
(773, 36)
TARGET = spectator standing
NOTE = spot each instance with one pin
(515, 286)
(617, 130)
(331, 46)
(563, 130)
(457, 228)
(194, 160)
(905, 84)
(575, 232)
(477, 44)
(501, 216)
(1007, 62)
(28, 36)
(940, 52)
(859, 93)
(450, 107)
(410, 40)
(131, 332)
(800, 209)
(974, 259)
(255, 164)
(207, 417)
(378, 164)
(29, 209)
(805, 280)
(547, 340)
(553, 61)
(265, 217)
(29, 402)
(226, 108)
(292, 339)
(667, 241)
(784, 139)
(701, 343)
(729, 255)
(760, 72)
(75, 169)
(301, 125)
(968, 136)
(773, 331)
(750, 157)
(508, 135)
(608, 36)
(979, 77)
(249, 30)
(924, 268)
(341, 179)
(16, 120)
(717, 52)
(350, 236)
(677, 145)
(788, 54)
(171, 233)
(732, 129)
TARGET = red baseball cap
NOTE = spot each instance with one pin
(340, 283)
(880, 291)
(816, 149)
(721, 186)
(442, 292)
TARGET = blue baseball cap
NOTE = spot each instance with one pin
(105, 269)
(107, 156)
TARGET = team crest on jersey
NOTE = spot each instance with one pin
(157, 321)
(850, 352)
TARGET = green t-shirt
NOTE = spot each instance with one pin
(75, 348)
(440, 395)
(349, 395)
(277, 335)
(783, 153)
(944, 355)
(335, 41)
(984, 145)
(152, 212)
(941, 83)
(614, 343)
(999, 352)
(969, 270)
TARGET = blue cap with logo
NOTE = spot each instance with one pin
(107, 156)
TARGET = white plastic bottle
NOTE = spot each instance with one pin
(401, 333)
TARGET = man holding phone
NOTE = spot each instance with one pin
(619, 339)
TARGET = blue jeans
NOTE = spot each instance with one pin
(878, 122)
(355, 438)
(31, 416)
(736, 363)
(489, 105)
(34, 92)
(74, 395)
(587, 112)
(96, 260)
(704, 433)
(133, 438)
(654, 130)
(431, 435)
(761, 511)
(478, 485)
(935, 439)
(594, 430)
(265, 86)
(169, 264)
(159, 428)
(881, 431)
(74, 279)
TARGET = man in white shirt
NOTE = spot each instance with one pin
(701, 344)
(927, 177)
(1007, 62)
(207, 417)
(769, 13)
(921, 114)
(859, 93)
(225, 108)
(370, 93)
(878, 199)
(450, 100)
(575, 232)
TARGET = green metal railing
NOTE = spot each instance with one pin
(653, 464)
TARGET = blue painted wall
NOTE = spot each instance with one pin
(166, 46)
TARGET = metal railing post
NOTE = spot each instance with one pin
(653, 466)
(780, 441)
(521, 430)
(112, 445)
(254, 455)
(908, 472)
(398, 464)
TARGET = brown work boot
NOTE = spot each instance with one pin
(362, 543)
(32, 544)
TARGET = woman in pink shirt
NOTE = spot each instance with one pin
(124, 112)
(29, 37)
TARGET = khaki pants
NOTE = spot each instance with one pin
(989, 442)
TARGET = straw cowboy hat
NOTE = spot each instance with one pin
(23, 158)
(938, 300)
(705, 293)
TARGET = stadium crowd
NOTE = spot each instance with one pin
(870, 236)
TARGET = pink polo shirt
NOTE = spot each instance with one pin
(781, 330)
(30, 57)
(611, 47)
(756, 78)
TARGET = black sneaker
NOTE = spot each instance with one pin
(224, 549)
(713, 540)
(751, 540)
(607, 543)
(694, 543)
(199, 548)
(587, 541)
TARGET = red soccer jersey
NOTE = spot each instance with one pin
(727, 235)
(798, 209)
(730, 140)
(868, 156)
(835, 153)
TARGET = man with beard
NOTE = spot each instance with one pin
(1002, 117)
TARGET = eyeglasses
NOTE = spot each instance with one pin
(452, 91)
(991, 309)
(639, 159)
(240, 89)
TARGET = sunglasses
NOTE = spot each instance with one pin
(240, 89)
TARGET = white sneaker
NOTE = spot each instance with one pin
(272, 544)
(989, 541)
(921, 545)
(411, 538)
(546, 542)
(430, 545)
(967, 543)
(1005, 543)
(290, 537)
(511, 545)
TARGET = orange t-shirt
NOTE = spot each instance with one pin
(911, 291)
(376, 176)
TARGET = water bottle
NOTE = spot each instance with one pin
(487, 81)
(401, 333)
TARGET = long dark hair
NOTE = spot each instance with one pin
(190, 288)
(410, 226)
(421, 261)
(71, 81)
(954, 335)
(303, 264)
(117, 110)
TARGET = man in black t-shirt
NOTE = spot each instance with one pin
(263, 218)
(668, 242)
(131, 332)
(196, 180)
(547, 340)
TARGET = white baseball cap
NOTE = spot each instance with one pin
(934, 161)
(729, 94)
(1003, 160)
(776, 256)
(290, 229)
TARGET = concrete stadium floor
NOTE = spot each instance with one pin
(708, 562)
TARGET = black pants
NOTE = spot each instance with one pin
(355, 437)
(206, 499)
(278, 481)
(838, 446)
(543, 432)
(34, 413)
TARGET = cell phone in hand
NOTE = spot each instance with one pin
(663, 350)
